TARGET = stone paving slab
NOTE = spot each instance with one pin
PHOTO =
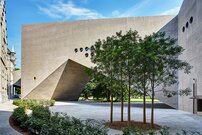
(5, 113)
(175, 119)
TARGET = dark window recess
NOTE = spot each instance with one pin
(187, 24)
(81, 49)
(34, 78)
(183, 29)
(86, 48)
(92, 54)
(191, 19)
(76, 50)
(86, 54)
(199, 105)
(92, 47)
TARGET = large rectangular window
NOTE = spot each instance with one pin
(199, 105)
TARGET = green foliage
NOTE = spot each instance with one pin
(20, 116)
(41, 112)
(18, 90)
(139, 64)
(31, 103)
(44, 123)
(17, 69)
(164, 131)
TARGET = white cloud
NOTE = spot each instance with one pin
(137, 7)
(115, 13)
(173, 11)
(62, 10)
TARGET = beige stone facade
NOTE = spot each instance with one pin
(47, 48)
(7, 62)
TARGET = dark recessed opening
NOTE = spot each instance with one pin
(199, 105)
(187, 24)
(86, 54)
(191, 19)
(92, 54)
(183, 29)
(86, 48)
(92, 47)
(76, 50)
(81, 49)
(34, 78)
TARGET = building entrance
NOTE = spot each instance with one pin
(199, 106)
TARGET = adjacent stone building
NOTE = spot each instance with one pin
(7, 62)
(54, 55)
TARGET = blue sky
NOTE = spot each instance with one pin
(21, 12)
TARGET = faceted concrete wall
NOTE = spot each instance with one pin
(17, 78)
(46, 47)
(191, 40)
(171, 30)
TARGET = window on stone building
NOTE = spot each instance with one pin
(191, 20)
(187, 24)
(92, 54)
(92, 48)
(76, 50)
(86, 54)
(81, 49)
(199, 105)
(86, 48)
(183, 29)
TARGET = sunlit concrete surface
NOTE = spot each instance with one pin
(175, 119)
(5, 113)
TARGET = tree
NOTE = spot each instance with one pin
(127, 53)
(104, 61)
(163, 63)
(88, 89)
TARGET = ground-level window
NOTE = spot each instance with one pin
(199, 105)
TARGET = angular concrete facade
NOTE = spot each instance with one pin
(190, 37)
(46, 48)
(48, 53)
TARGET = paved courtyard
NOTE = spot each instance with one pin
(5, 112)
(175, 119)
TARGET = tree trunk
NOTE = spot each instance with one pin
(111, 109)
(152, 107)
(152, 104)
(144, 103)
(108, 96)
(144, 107)
(122, 105)
(129, 111)
(86, 96)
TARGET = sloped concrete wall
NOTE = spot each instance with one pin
(46, 46)
(171, 30)
(191, 40)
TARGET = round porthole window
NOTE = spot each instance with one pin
(92, 54)
(92, 47)
(86, 54)
(81, 49)
(86, 48)
(187, 24)
(76, 50)
(191, 19)
(183, 29)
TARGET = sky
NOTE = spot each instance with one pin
(19, 12)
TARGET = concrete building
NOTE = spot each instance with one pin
(54, 54)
